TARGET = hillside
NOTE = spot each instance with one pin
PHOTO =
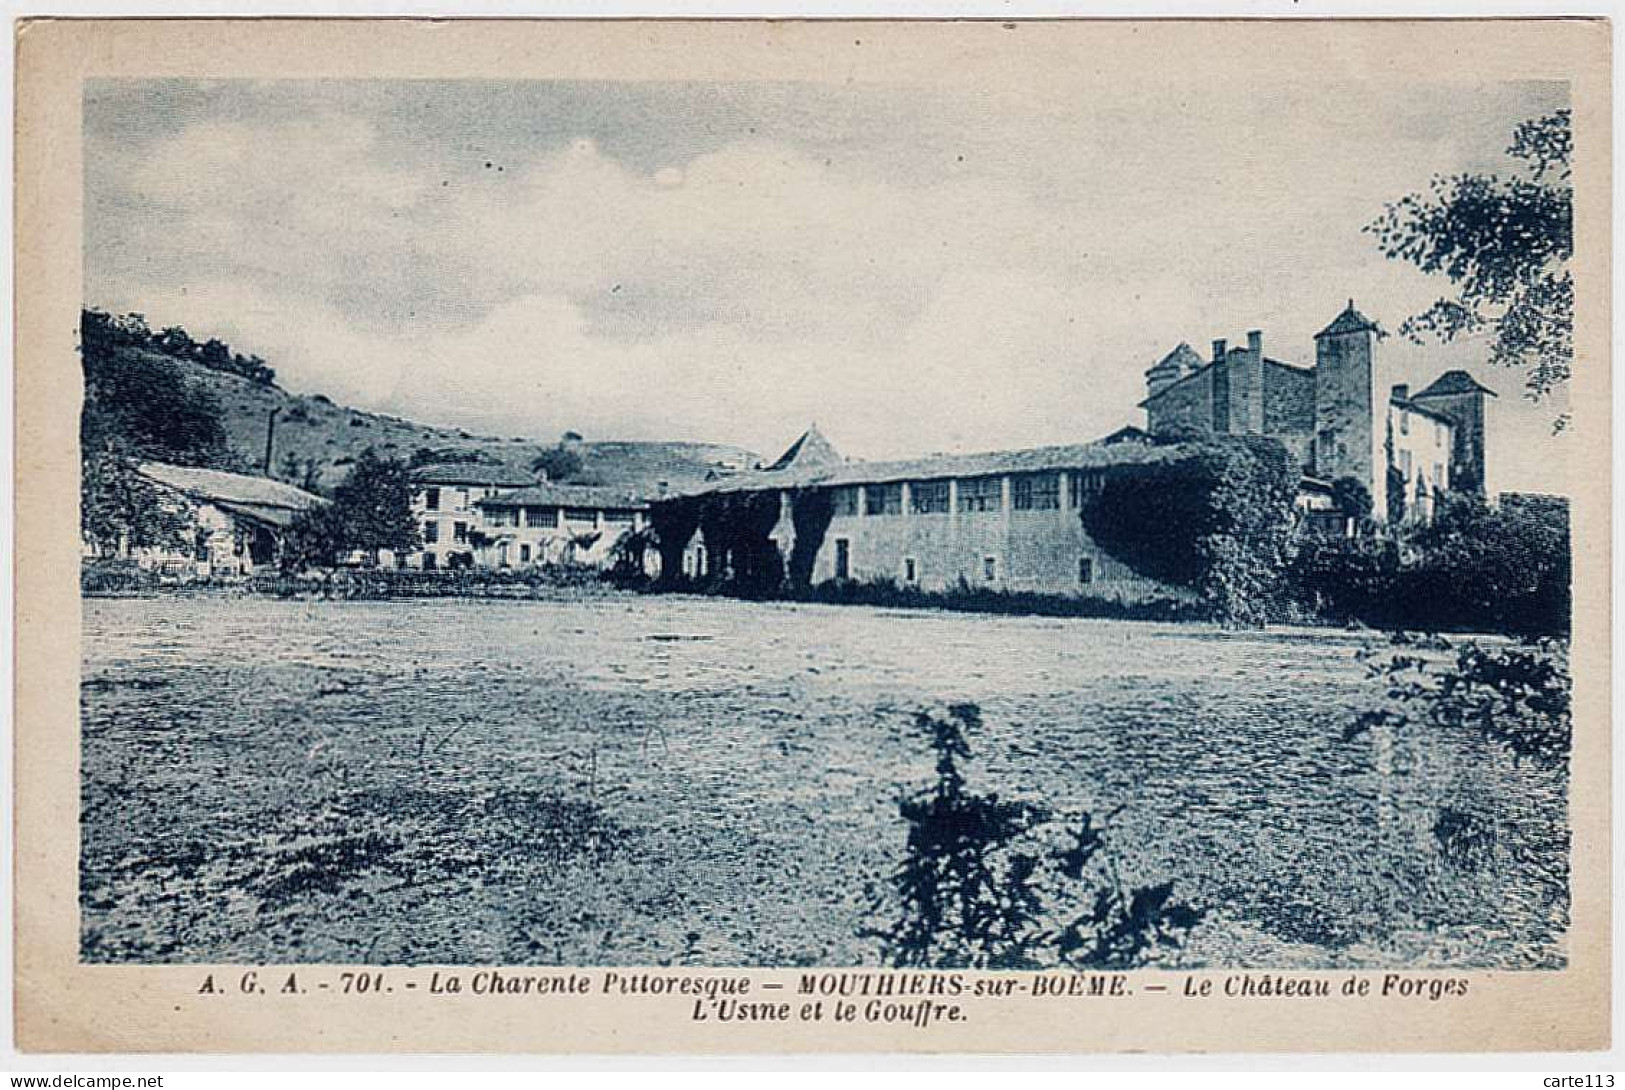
(314, 428)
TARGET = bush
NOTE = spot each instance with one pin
(1517, 697)
(985, 883)
(113, 577)
(967, 599)
(1214, 515)
(1473, 569)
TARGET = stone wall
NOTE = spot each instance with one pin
(1189, 404)
(1036, 551)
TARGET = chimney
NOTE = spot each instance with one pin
(1218, 350)
(1255, 342)
(1401, 391)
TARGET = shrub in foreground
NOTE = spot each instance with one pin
(996, 883)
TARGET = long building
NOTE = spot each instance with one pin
(1010, 520)
(1005, 520)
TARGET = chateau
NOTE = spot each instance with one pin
(1337, 417)
(1010, 520)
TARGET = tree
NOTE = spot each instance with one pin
(560, 463)
(317, 538)
(143, 403)
(1352, 498)
(119, 509)
(1505, 243)
(136, 408)
(374, 505)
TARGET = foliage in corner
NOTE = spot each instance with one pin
(1517, 697)
(995, 883)
(1505, 243)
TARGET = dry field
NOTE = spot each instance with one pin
(668, 780)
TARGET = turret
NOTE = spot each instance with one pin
(1170, 369)
(1459, 396)
(1350, 419)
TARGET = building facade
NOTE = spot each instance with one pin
(445, 502)
(1339, 417)
(1004, 520)
(557, 524)
(493, 516)
(233, 522)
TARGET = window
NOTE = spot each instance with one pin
(844, 501)
(431, 499)
(928, 497)
(911, 571)
(1084, 485)
(431, 532)
(1086, 569)
(524, 554)
(459, 532)
(619, 516)
(843, 558)
(1036, 492)
(980, 494)
(883, 499)
(990, 569)
(580, 515)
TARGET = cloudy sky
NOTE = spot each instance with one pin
(915, 270)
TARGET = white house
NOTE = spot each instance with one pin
(234, 521)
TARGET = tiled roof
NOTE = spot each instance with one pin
(1422, 410)
(939, 466)
(565, 495)
(492, 476)
(1206, 367)
(1182, 358)
(812, 449)
(1350, 321)
(239, 488)
(1454, 382)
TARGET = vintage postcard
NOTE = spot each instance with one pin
(1046, 536)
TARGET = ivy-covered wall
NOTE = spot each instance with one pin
(1216, 517)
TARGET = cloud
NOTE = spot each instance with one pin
(961, 276)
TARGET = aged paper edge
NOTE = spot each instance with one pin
(62, 1005)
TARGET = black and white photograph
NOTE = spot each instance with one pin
(832, 523)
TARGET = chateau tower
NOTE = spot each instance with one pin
(1171, 368)
(1459, 396)
(1351, 416)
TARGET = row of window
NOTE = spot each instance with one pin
(1028, 492)
(534, 518)
(911, 565)
(431, 532)
(548, 518)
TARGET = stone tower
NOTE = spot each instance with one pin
(1350, 417)
(1170, 369)
(1459, 396)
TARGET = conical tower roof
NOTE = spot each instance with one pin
(1454, 382)
(1179, 360)
(1350, 321)
(812, 450)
